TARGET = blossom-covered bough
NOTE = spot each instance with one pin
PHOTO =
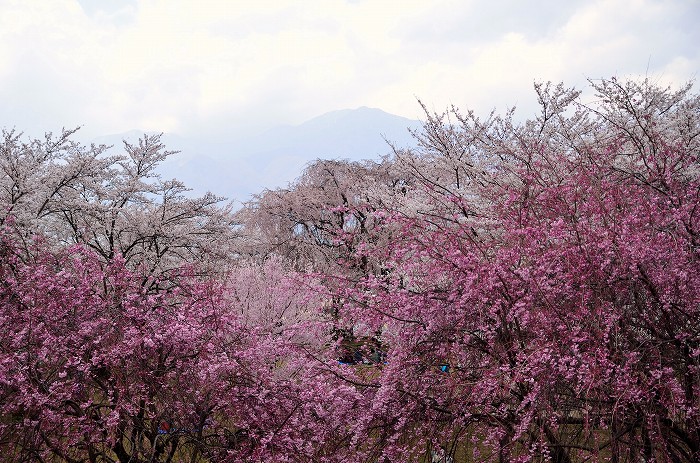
(556, 263)
(508, 291)
(95, 367)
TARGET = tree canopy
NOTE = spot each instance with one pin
(508, 291)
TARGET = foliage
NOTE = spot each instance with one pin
(114, 205)
(93, 367)
(509, 291)
(559, 283)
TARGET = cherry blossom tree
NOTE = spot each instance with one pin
(509, 291)
(321, 218)
(321, 222)
(115, 205)
(543, 303)
(128, 333)
(94, 367)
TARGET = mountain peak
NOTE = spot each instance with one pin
(363, 115)
(238, 168)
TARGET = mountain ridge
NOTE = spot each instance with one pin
(241, 167)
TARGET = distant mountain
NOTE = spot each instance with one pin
(239, 168)
(349, 133)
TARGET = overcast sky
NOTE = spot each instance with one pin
(205, 67)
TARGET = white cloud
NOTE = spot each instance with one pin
(197, 66)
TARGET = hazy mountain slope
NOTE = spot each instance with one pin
(238, 168)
